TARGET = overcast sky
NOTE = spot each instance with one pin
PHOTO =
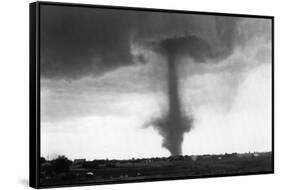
(102, 80)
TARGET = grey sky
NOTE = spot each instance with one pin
(102, 78)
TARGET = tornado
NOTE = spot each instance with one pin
(175, 122)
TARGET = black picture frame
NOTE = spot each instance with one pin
(34, 92)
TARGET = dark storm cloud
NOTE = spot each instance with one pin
(201, 47)
(83, 41)
(77, 42)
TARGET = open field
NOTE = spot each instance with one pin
(161, 168)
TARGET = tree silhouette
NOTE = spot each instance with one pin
(61, 164)
(42, 160)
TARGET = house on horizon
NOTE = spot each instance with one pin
(77, 164)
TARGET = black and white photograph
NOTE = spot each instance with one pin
(134, 94)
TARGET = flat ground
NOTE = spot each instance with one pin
(165, 168)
